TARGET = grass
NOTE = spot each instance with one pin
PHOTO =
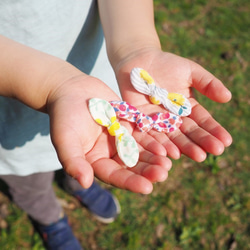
(201, 205)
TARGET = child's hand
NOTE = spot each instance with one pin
(199, 133)
(85, 149)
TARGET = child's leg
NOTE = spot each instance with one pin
(35, 195)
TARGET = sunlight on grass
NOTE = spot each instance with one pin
(201, 205)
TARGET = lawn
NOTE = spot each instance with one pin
(201, 205)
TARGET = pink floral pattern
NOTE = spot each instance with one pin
(161, 122)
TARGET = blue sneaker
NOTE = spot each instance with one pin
(58, 235)
(100, 202)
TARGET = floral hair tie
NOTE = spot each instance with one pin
(174, 102)
(104, 114)
(161, 122)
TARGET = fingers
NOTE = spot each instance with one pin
(73, 161)
(149, 143)
(204, 120)
(79, 169)
(187, 146)
(154, 168)
(201, 137)
(208, 85)
(111, 172)
(150, 168)
(71, 154)
(200, 134)
(172, 150)
(195, 142)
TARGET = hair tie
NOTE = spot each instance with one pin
(104, 114)
(174, 102)
(161, 122)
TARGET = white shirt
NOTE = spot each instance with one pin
(69, 30)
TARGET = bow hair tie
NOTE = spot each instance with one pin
(104, 114)
(162, 122)
(174, 102)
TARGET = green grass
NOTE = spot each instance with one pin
(201, 205)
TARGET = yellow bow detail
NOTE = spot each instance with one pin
(104, 114)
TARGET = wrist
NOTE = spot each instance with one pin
(29, 75)
(131, 50)
(128, 27)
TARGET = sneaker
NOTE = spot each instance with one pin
(100, 202)
(58, 235)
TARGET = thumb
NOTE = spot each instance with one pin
(80, 169)
(209, 85)
(71, 155)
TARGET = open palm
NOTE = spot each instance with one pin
(86, 149)
(200, 133)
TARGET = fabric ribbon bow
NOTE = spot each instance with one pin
(104, 114)
(174, 102)
(162, 122)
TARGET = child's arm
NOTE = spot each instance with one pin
(132, 42)
(51, 85)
